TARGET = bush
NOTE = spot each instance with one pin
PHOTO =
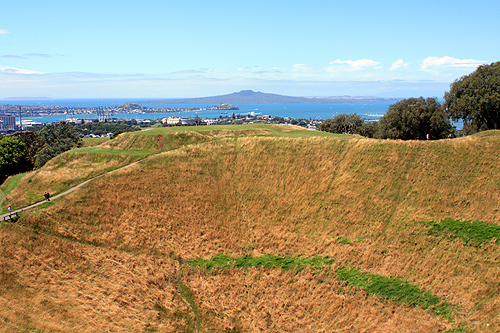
(345, 124)
(415, 119)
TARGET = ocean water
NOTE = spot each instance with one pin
(297, 111)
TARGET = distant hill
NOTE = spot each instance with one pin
(257, 97)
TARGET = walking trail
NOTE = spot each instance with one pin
(3, 216)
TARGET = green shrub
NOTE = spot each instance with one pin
(224, 261)
(395, 290)
(470, 232)
(389, 288)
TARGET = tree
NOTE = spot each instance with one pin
(342, 124)
(475, 98)
(415, 118)
(57, 139)
(369, 129)
(33, 145)
(13, 157)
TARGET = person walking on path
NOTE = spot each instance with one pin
(10, 211)
(47, 195)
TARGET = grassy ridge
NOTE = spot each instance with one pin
(259, 194)
(65, 171)
(103, 155)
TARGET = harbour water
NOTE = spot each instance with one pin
(371, 111)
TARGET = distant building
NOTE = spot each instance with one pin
(180, 121)
(28, 123)
(209, 121)
(7, 123)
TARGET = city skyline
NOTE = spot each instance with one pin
(166, 49)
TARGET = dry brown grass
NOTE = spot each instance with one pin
(272, 300)
(54, 285)
(62, 172)
(284, 196)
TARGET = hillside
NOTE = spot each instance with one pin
(260, 228)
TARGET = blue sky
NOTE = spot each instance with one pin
(162, 49)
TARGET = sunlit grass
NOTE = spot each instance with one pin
(392, 289)
(8, 185)
(91, 142)
(250, 192)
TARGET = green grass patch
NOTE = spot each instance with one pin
(105, 151)
(342, 240)
(94, 141)
(47, 204)
(472, 233)
(395, 290)
(388, 288)
(188, 296)
(7, 187)
(305, 133)
(236, 130)
(297, 263)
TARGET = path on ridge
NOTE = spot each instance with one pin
(3, 216)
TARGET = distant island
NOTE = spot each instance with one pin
(257, 97)
(127, 108)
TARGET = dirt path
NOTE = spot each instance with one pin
(3, 216)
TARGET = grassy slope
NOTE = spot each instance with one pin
(102, 155)
(276, 192)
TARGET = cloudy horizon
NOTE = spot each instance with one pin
(95, 49)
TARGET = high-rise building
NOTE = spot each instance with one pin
(7, 123)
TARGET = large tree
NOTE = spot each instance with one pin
(348, 124)
(415, 119)
(13, 157)
(57, 139)
(33, 146)
(475, 98)
(342, 124)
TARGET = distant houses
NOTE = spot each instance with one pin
(186, 121)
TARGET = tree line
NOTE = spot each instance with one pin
(474, 99)
(24, 151)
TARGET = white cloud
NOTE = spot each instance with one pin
(356, 65)
(13, 70)
(39, 55)
(398, 64)
(15, 82)
(11, 56)
(250, 69)
(435, 62)
(300, 67)
(4, 32)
